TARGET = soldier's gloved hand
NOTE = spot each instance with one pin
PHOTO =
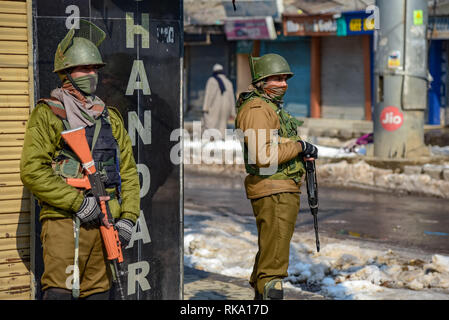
(124, 228)
(89, 213)
(308, 150)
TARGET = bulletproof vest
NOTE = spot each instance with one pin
(104, 148)
(293, 169)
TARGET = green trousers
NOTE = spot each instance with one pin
(58, 253)
(275, 218)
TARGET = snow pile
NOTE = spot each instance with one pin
(219, 244)
(362, 174)
(439, 151)
(343, 271)
(226, 243)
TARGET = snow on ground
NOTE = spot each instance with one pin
(440, 151)
(226, 243)
(364, 175)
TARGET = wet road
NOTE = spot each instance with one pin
(411, 222)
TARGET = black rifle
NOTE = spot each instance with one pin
(312, 194)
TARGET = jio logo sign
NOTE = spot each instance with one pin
(391, 118)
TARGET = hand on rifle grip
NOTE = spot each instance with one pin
(308, 150)
(89, 212)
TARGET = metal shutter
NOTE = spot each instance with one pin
(16, 97)
(342, 78)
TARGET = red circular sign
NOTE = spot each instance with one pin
(391, 118)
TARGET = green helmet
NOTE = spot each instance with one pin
(268, 65)
(80, 47)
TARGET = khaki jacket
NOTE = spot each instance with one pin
(57, 198)
(257, 114)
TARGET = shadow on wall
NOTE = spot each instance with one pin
(18, 262)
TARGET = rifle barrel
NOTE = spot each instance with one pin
(312, 193)
(317, 239)
(117, 280)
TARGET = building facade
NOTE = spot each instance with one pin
(340, 63)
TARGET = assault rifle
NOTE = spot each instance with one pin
(77, 141)
(312, 194)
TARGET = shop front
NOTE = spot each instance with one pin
(437, 112)
(340, 64)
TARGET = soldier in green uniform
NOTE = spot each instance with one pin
(46, 161)
(274, 194)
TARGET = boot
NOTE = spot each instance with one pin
(57, 294)
(257, 295)
(100, 296)
(273, 290)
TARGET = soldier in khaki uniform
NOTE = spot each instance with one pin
(274, 193)
(47, 161)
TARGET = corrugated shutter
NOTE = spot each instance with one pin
(16, 97)
(342, 78)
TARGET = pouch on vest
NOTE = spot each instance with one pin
(66, 165)
(67, 168)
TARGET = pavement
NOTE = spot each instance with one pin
(202, 285)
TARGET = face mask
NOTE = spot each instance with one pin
(87, 83)
(275, 92)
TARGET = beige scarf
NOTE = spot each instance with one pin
(273, 93)
(81, 111)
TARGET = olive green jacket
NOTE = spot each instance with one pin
(58, 199)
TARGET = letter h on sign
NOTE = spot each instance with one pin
(138, 69)
(132, 29)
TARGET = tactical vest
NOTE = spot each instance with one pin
(104, 148)
(293, 169)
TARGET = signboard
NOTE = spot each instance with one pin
(356, 23)
(250, 28)
(394, 60)
(418, 17)
(299, 25)
(143, 49)
(391, 118)
(439, 27)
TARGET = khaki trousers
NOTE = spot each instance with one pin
(58, 254)
(275, 218)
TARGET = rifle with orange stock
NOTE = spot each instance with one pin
(77, 141)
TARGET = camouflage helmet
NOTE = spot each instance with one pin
(80, 47)
(268, 65)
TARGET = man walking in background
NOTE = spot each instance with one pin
(219, 101)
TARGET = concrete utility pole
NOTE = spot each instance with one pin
(401, 79)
